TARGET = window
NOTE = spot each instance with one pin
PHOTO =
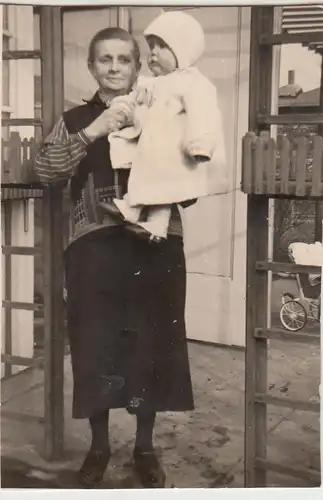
(5, 16)
(6, 43)
(5, 128)
(6, 36)
(5, 73)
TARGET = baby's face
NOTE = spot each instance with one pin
(161, 60)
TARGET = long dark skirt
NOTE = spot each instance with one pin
(126, 301)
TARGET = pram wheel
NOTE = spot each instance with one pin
(293, 315)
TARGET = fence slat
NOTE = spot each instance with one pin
(14, 156)
(24, 154)
(33, 145)
(301, 155)
(317, 167)
(284, 165)
(271, 162)
(259, 163)
(247, 161)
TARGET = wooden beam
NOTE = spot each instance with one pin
(257, 246)
(286, 267)
(291, 119)
(8, 192)
(9, 250)
(289, 38)
(51, 37)
(8, 55)
(319, 205)
(7, 205)
(298, 472)
(20, 361)
(21, 122)
(280, 334)
(22, 306)
(266, 399)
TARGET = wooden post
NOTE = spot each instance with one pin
(52, 94)
(297, 184)
(257, 249)
(319, 204)
(7, 206)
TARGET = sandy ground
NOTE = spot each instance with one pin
(200, 449)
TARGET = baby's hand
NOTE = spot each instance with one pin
(144, 96)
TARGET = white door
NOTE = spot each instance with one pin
(215, 228)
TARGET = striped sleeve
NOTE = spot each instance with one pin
(61, 153)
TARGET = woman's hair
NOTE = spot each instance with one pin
(115, 33)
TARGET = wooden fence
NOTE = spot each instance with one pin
(17, 162)
(282, 167)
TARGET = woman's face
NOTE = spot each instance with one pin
(161, 59)
(114, 66)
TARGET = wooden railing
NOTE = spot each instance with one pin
(282, 167)
(17, 162)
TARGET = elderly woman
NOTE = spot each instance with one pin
(125, 296)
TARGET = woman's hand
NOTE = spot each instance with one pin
(110, 120)
(123, 108)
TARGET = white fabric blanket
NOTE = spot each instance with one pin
(307, 254)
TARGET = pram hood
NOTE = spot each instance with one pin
(306, 254)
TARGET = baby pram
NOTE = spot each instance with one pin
(297, 310)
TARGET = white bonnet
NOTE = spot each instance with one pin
(182, 33)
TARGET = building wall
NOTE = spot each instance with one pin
(20, 105)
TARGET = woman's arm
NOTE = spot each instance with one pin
(61, 153)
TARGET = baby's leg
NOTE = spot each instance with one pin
(131, 214)
(157, 220)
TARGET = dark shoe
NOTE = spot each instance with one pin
(112, 210)
(148, 468)
(142, 233)
(93, 468)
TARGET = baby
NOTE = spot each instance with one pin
(175, 147)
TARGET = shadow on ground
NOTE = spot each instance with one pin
(18, 474)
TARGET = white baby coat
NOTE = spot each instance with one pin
(183, 122)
